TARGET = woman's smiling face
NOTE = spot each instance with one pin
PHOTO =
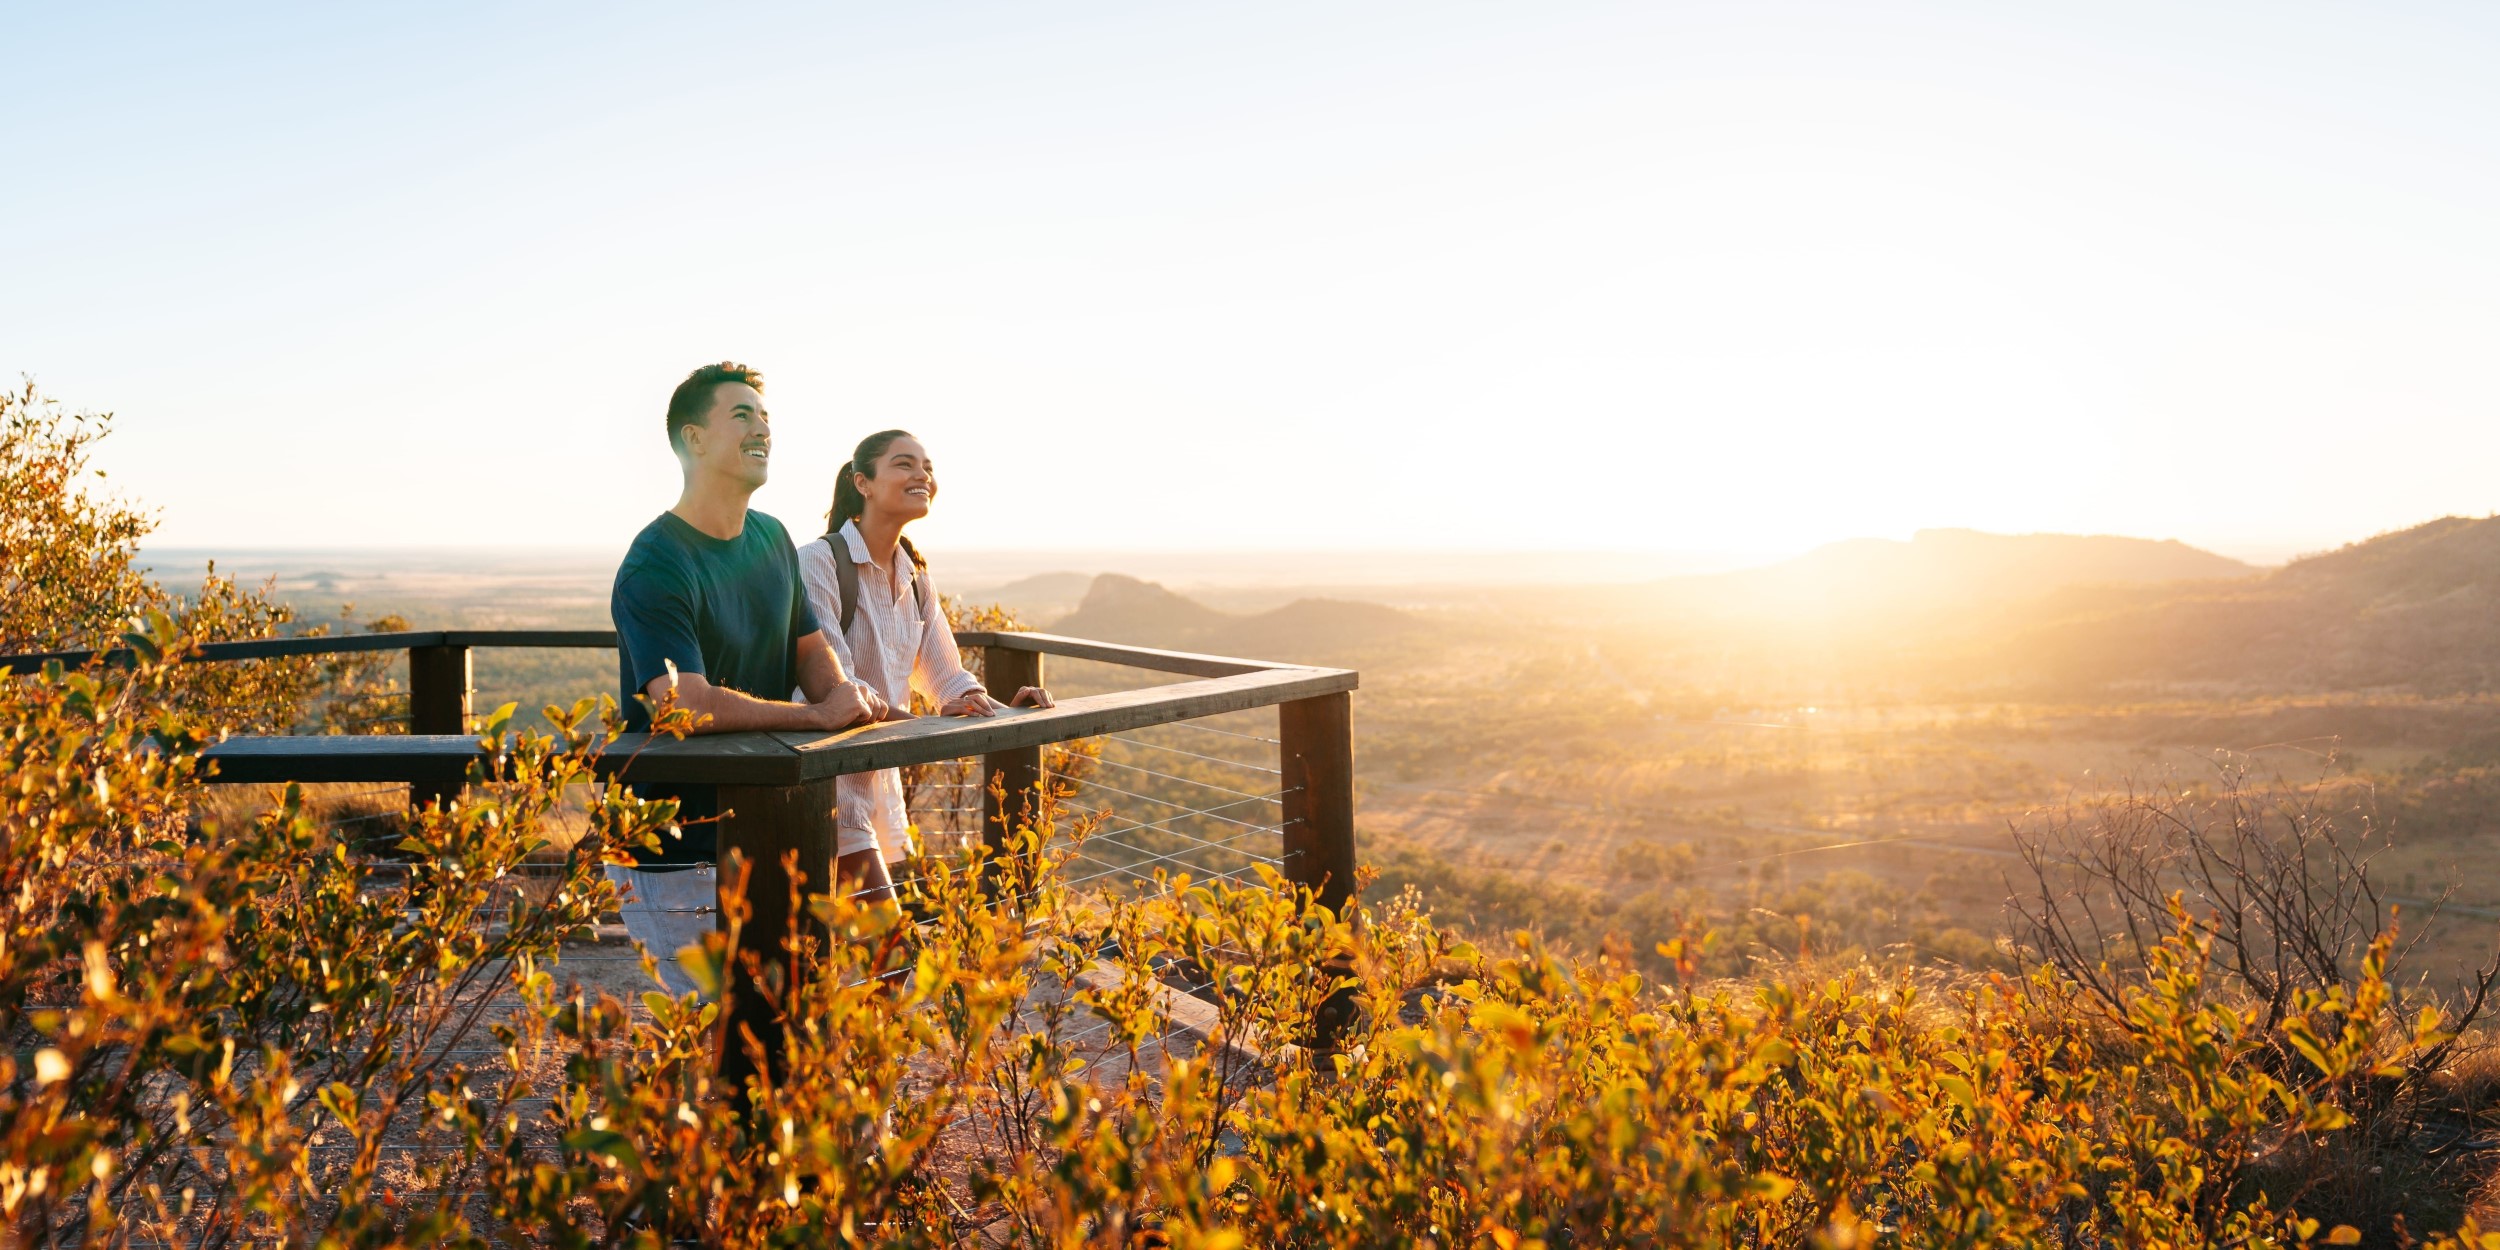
(904, 484)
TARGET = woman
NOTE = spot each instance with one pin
(889, 632)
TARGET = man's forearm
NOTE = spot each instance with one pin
(730, 711)
(820, 670)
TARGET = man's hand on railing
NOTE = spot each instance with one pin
(852, 703)
(980, 703)
(719, 709)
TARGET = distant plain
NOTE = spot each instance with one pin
(1593, 744)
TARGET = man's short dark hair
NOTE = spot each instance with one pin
(691, 402)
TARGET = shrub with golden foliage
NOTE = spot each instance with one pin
(70, 580)
(192, 1008)
(248, 1034)
(66, 575)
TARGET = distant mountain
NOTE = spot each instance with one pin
(1039, 597)
(1124, 609)
(2418, 609)
(1314, 631)
(1307, 631)
(1940, 574)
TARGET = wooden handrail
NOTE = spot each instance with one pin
(1195, 665)
(332, 644)
(784, 758)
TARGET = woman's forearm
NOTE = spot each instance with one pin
(940, 665)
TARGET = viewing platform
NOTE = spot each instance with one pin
(775, 790)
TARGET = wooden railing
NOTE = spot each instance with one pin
(775, 791)
(438, 661)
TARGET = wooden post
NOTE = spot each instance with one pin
(438, 703)
(1316, 756)
(766, 823)
(1003, 672)
(1317, 759)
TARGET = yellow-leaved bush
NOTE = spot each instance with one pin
(252, 1032)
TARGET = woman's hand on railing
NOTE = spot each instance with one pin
(980, 703)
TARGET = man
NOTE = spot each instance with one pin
(708, 603)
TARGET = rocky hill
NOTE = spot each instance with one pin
(1936, 577)
(1311, 631)
(2418, 610)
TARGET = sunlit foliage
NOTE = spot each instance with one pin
(246, 1034)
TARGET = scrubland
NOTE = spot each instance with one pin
(1663, 945)
(231, 1030)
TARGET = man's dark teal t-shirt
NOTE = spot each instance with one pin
(731, 609)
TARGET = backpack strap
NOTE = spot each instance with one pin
(919, 575)
(846, 581)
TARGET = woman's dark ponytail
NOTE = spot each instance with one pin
(848, 503)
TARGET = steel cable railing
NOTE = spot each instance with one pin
(943, 803)
(1179, 807)
(1188, 819)
(1134, 740)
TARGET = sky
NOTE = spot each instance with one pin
(1291, 276)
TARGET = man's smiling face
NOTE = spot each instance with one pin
(736, 440)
